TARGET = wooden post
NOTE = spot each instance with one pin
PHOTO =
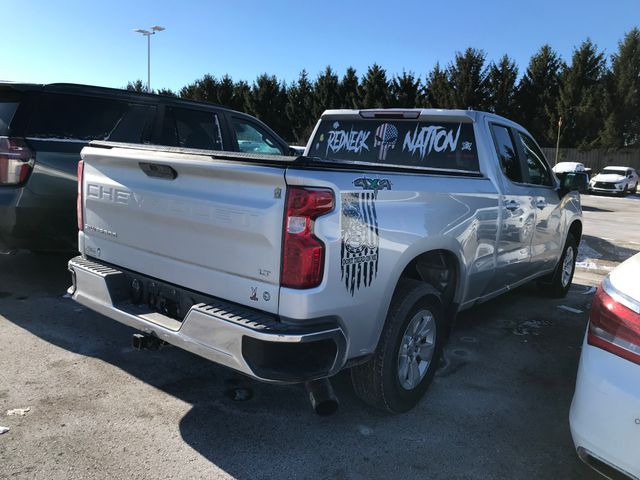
(558, 141)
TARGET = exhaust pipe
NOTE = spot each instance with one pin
(322, 397)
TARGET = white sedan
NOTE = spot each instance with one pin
(605, 412)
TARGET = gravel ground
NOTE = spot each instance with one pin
(498, 407)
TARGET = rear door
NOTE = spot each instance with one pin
(58, 127)
(513, 259)
(548, 238)
(193, 128)
(211, 226)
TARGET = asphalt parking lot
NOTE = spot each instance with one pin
(498, 407)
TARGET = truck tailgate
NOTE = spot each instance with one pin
(215, 228)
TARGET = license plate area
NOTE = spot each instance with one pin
(163, 298)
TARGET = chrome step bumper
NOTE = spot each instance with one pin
(251, 342)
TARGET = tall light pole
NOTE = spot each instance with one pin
(148, 33)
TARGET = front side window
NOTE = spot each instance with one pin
(187, 128)
(539, 173)
(507, 156)
(252, 139)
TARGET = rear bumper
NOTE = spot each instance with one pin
(32, 222)
(251, 342)
(605, 412)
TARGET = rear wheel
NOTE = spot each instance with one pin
(407, 356)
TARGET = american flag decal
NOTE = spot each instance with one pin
(386, 137)
(359, 247)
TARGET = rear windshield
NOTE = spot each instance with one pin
(8, 105)
(76, 117)
(405, 143)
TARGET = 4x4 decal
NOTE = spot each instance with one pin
(374, 184)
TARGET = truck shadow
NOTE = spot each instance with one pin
(481, 392)
(608, 251)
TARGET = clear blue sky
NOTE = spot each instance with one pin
(93, 42)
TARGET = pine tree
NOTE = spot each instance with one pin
(268, 101)
(167, 92)
(406, 91)
(581, 94)
(207, 89)
(189, 91)
(225, 93)
(438, 90)
(349, 90)
(375, 88)
(468, 79)
(622, 124)
(300, 108)
(136, 86)
(241, 92)
(501, 85)
(326, 91)
(537, 96)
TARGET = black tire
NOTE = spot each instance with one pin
(377, 382)
(625, 191)
(555, 286)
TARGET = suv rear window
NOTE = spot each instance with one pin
(405, 143)
(77, 117)
(9, 101)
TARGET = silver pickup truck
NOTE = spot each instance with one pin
(356, 255)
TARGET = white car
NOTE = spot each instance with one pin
(564, 167)
(619, 180)
(605, 413)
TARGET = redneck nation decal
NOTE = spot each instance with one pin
(438, 145)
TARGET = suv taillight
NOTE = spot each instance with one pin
(79, 200)
(613, 326)
(302, 251)
(16, 161)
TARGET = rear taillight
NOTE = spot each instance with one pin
(302, 251)
(79, 200)
(16, 161)
(613, 326)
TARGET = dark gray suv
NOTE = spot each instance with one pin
(44, 127)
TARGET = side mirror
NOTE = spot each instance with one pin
(573, 182)
(296, 151)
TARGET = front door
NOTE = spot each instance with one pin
(547, 236)
(513, 256)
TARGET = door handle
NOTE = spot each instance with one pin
(541, 204)
(511, 205)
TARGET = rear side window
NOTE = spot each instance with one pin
(75, 117)
(9, 101)
(135, 125)
(539, 172)
(403, 143)
(187, 128)
(507, 155)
